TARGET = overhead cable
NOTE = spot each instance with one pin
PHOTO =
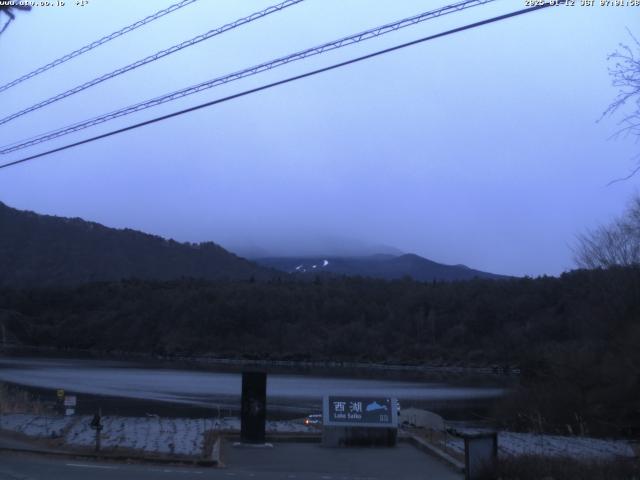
(153, 58)
(280, 82)
(342, 42)
(97, 43)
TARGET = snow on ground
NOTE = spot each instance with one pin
(34, 425)
(514, 444)
(290, 427)
(175, 436)
(185, 436)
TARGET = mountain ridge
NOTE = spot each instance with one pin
(44, 250)
(384, 266)
(48, 250)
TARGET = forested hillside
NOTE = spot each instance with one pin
(38, 250)
(575, 338)
(388, 267)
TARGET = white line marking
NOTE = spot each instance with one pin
(81, 465)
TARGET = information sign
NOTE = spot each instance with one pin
(344, 410)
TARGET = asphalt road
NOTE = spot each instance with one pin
(283, 461)
(30, 467)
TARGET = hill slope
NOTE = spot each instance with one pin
(376, 266)
(40, 250)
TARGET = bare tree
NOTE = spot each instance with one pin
(8, 11)
(624, 71)
(625, 76)
(615, 244)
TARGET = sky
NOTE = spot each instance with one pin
(482, 148)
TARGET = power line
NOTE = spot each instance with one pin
(153, 58)
(97, 43)
(282, 82)
(356, 38)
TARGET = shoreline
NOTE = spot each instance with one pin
(492, 370)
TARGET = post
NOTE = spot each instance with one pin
(96, 424)
(253, 407)
(480, 455)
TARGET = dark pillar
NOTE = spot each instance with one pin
(254, 407)
(480, 455)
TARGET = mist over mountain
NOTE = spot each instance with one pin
(310, 245)
(42, 250)
(384, 266)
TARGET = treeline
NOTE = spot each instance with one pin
(575, 338)
(42, 250)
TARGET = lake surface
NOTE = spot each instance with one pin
(145, 384)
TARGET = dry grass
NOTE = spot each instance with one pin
(15, 400)
(533, 467)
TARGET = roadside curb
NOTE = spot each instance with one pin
(213, 459)
(423, 445)
(200, 462)
(292, 438)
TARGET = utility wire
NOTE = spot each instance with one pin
(356, 38)
(153, 58)
(282, 82)
(97, 43)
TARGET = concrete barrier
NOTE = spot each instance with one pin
(359, 437)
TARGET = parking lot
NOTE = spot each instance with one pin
(312, 461)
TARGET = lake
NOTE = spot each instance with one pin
(127, 387)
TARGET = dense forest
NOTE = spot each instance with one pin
(575, 338)
(39, 250)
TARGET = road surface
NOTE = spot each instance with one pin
(283, 461)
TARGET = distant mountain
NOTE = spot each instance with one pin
(377, 266)
(42, 250)
(296, 244)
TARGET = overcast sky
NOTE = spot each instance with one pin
(481, 148)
